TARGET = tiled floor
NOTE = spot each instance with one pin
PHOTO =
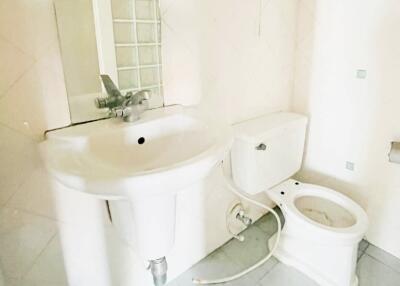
(375, 267)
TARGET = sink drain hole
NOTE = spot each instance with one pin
(141, 140)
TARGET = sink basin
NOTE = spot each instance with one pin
(146, 162)
(166, 150)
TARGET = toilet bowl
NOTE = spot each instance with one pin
(322, 227)
(321, 232)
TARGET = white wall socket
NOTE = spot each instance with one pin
(350, 166)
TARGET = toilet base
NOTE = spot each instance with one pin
(305, 265)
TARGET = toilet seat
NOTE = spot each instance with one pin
(286, 194)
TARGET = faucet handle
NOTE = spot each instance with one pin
(111, 88)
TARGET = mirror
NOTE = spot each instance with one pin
(120, 38)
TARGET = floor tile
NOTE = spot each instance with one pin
(24, 282)
(236, 256)
(268, 224)
(260, 272)
(252, 249)
(372, 272)
(362, 246)
(11, 282)
(173, 283)
(216, 265)
(282, 275)
(384, 257)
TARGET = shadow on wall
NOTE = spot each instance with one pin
(347, 82)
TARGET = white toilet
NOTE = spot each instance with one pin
(322, 227)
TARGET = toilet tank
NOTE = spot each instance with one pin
(255, 168)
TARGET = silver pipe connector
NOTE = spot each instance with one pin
(158, 268)
(241, 216)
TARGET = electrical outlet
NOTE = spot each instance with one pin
(361, 74)
(350, 166)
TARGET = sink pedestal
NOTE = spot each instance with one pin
(154, 219)
(145, 162)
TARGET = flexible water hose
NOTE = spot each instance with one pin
(240, 194)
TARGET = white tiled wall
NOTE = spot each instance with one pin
(352, 119)
(255, 53)
(32, 99)
(237, 61)
(233, 57)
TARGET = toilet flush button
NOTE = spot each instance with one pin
(261, 147)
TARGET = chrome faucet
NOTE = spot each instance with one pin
(129, 107)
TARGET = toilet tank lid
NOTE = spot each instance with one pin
(253, 130)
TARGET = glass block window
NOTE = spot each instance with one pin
(137, 36)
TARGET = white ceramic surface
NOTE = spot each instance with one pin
(31, 28)
(145, 162)
(283, 135)
(352, 119)
(311, 247)
(104, 158)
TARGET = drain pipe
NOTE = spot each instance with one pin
(158, 268)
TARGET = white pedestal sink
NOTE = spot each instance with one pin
(146, 162)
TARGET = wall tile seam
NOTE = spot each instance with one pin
(49, 42)
(35, 60)
(295, 56)
(303, 38)
(4, 38)
(32, 139)
(35, 137)
(180, 39)
(25, 72)
(18, 79)
(20, 184)
(4, 205)
(30, 213)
